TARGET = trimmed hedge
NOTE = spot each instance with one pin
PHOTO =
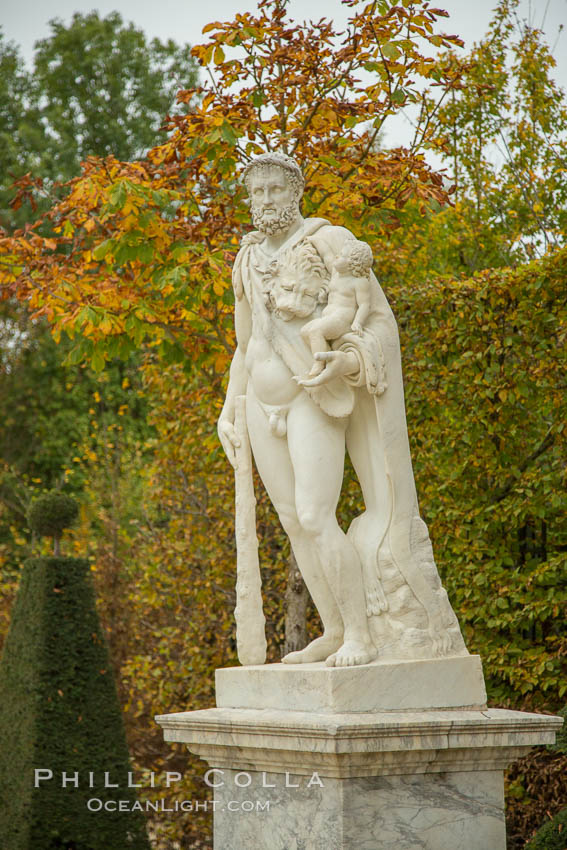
(49, 515)
(59, 711)
(552, 835)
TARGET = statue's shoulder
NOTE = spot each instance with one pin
(254, 237)
(321, 228)
(328, 238)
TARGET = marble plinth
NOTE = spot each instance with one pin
(453, 811)
(455, 682)
(293, 780)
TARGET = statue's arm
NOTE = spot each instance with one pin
(237, 381)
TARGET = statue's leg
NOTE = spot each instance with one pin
(318, 332)
(273, 462)
(317, 448)
(311, 333)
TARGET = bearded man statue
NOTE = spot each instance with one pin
(376, 587)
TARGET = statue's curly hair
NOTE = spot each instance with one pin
(359, 257)
(300, 260)
(281, 160)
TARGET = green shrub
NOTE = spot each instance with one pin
(552, 835)
(59, 712)
(560, 745)
(49, 515)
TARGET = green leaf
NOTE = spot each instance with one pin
(98, 361)
(118, 195)
(103, 249)
(228, 134)
(391, 51)
(258, 98)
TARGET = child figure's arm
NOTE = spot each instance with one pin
(362, 291)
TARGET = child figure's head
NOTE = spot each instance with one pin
(355, 258)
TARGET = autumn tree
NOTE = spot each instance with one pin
(505, 133)
(121, 87)
(153, 240)
(20, 132)
(62, 424)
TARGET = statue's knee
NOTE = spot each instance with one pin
(289, 520)
(310, 520)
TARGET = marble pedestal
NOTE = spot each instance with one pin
(330, 778)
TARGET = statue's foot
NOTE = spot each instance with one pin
(318, 650)
(352, 653)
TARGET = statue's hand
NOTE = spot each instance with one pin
(228, 437)
(337, 364)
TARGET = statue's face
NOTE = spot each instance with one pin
(342, 264)
(273, 202)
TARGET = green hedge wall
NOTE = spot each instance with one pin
(485, 362)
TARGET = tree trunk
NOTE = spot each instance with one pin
(296, 596)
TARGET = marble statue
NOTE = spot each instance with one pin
(317, 369)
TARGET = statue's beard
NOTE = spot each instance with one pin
(271, 222)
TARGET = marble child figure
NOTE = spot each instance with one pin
(376, 587)
(348, 301)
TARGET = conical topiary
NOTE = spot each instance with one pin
(59, 713)
(50, 514)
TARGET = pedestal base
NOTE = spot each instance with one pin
(455, 682)
(292, 780)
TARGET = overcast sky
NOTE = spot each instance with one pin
(26, 21)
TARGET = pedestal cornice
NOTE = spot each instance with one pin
(373, 744)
